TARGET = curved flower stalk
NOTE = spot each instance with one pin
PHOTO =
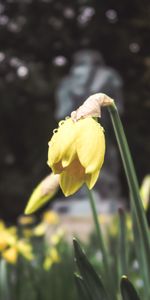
(137, 209)
(92, 106)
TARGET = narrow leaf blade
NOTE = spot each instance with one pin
(81, 288)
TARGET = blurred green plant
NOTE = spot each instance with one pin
(36, 261)
(48, 274)
(90, 286)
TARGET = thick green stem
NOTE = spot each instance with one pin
(131, 178)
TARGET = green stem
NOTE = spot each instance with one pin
(108, 278)
(122, 244)
(131, 178)
(4, 285)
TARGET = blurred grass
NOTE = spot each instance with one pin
(27, 278)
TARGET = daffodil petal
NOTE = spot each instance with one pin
(90, 144)
(69, 155)
(72, 178)
(61, 141)
(91, 179)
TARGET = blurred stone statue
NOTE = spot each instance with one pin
(89, 75)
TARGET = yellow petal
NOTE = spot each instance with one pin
(25, 249)
(61, 146)
(26, 220)
(91, 179)
(40, 229)
(10, 255)
(50, 217)
(69, 155)
(47, 263)
(145, 191)
(72, 178)
(90, 144)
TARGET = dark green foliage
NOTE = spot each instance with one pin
(127, 290)
(91, 281)
(90, 286)
(81, 288)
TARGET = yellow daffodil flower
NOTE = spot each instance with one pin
(11, 255)
(25, 249)
(76, 152)
(6, 239)
(52, 257)
(40, 229)
(26, 220)
(51, 217)
(21, 247)
(57, 236)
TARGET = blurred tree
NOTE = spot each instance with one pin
(37, 40)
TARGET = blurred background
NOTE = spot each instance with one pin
(39, 42)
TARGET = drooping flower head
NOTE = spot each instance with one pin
(76, 152)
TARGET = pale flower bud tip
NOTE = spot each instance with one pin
(92, 106)
(44, 191)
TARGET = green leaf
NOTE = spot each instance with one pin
(81, 288)
(90, 278)
(127, 290)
